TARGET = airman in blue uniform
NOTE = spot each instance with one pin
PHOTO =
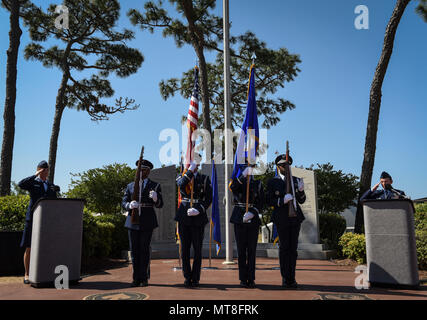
(388, 192)
(288, 228)
(140, 234)
(38, 187)
(246, 224)
(192, 220)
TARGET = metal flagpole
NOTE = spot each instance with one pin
(227, 134)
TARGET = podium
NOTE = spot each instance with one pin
(390, 243)
(56, 241)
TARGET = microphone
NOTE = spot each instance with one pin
(398, 193)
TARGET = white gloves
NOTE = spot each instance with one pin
(192, 212)
(288, 197)
(193, 166)
(153, 195)
(247, 171)
(133, 205)
(300, 185)
(247, 216)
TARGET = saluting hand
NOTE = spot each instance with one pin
(374, 188)
(38, 172)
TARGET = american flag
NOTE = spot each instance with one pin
(192, 118)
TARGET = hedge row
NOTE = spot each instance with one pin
(103, 236)
(354, 246)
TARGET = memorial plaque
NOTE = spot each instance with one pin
(165, 216)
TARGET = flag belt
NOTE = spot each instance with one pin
(243, 205)
(189, 200)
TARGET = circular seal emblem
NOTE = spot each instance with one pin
(117, 296)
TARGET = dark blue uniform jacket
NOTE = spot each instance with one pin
(256, 199)
(276, 189)
(37, 191)
(148, 218)
(202, 195)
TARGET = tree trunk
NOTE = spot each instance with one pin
(59, 109)
(9, 106)
(374, 108)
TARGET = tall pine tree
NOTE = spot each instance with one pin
(198, 27)
(17, 9)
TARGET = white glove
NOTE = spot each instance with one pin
(301, 185)
(288, 197)
(192, 212)
(153, 195)
(248, 216)
(133, 205)
(193, 166)
(247, 171)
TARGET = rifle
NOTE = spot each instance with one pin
(289, 182)
(136, 190)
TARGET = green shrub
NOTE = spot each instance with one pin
(97, 237)
(332, 226)
(353, 246)
(420, 219)
(120, 239)
(421, 239)
(12, 212)
(420, 216)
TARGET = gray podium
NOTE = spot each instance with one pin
(390, 243)
(56, 240)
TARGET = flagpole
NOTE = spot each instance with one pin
(227, 136)
(210, 244)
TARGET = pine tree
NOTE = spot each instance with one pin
(90, 44)
(203, 31)
(374, 108)
(17, 9)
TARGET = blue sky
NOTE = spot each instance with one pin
(331, 93)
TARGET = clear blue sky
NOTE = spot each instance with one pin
(331, 93)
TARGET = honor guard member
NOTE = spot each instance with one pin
(288, 228)
(38, 187)
(246, 224)
(140, 234)
(387, 192)
(192, 220)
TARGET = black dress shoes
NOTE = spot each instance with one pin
(26, 281)
(144, 283)
(292, 285)
(187, 283)
(243, 284)
(135, 284)
(195, 284)
(251, 284)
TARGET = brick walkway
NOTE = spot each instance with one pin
(318, 279)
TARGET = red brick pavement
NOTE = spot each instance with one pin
(316, 278)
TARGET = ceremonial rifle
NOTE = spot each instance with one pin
(289, 182)
(136, 190)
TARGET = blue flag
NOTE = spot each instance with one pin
(249, 136)
(275, 234)
(216, 225)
